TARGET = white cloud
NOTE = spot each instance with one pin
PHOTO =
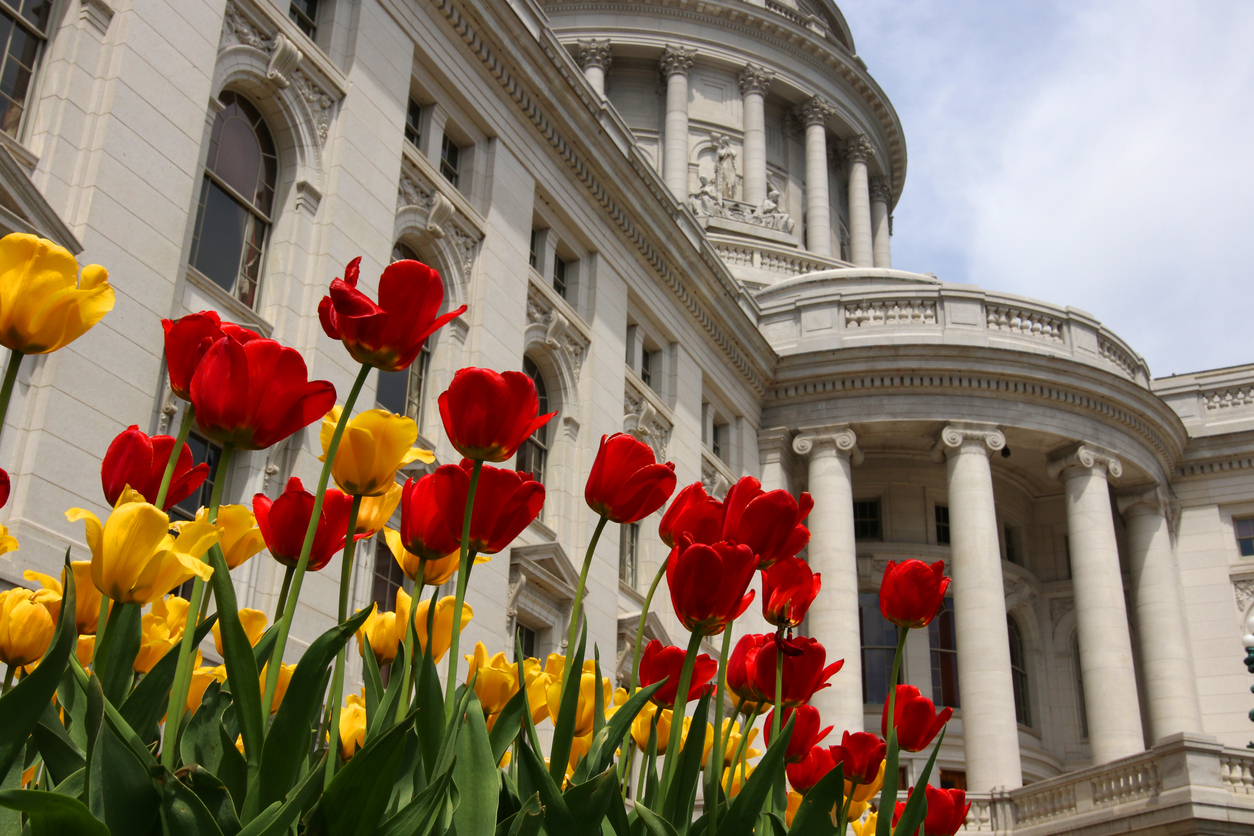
(1093, 154)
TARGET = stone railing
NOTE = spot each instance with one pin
(764, 263)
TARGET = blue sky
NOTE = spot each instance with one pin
(1094, 154)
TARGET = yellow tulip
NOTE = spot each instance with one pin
(733, 781)
(538, 682)
(865, 828)
(794, 804)
(352, 725)
(587, 697)
(43, 304)
(505, 759)
(385, 630)
(26, 627)
(579, 747)
(434, 572)
(856, 809)
(161, 630)
(201, 679)
(640, 727)
(496, 679)
(239, 535)
(134, 558)
(443, 624)
(85, 650)
(375, 511)
(374, 446)
(86, 596)
(733, 743)
(253, 622)
(865, 792)
(285, 677)
(8, 543)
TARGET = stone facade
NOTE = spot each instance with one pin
(704, 190)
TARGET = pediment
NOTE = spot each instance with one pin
(548, 568)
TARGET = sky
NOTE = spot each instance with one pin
(1097, 154)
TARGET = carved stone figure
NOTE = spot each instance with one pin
(769, 214)
(725, 175)
(707, 201)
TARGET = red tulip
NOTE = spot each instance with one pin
(808, 771)
(741, 666)
(805, 731)
(946, 811)
(708, 584)
(256, 394)
(804, 672)
(627, 484)
(659, 662)
(769, 523)
(788, 589)
(916, 719)
(425, 531)
(186, 341)
(4, 488)
(912, 592)
(488, 416)
(283, 522)
(388, 335)
(694, 512)
(506, 502)
(136, 460)
(860, 755)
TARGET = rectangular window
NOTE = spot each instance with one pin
(941, 636)
(527, 638)
(629, 554)
(404, 392)
(533, 257)
(879, 646)
(1245, 536)
(866, 520)
(203, 450)
(23, 32)
(450, 160)
(942, 525)
(718, 441)
(304, 13)
(413, 124)
(953, 779)
(559, 276)
(646, 368)
(386, 578)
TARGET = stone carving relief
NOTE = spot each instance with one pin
(725, 176)
(676, 59)
(1059, 607)
(712, 200)
(712, 477)
(559, 335)
(1244, 592)
(591, 52)
(442, 219)
(642, 420)
(755, 79)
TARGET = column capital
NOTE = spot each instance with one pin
(755, 79)
(881, 190)
(1151, 500)
(814, 112)
(967, 435)
(1081, 456)
(858, 149)
(838, 437)
(676, 59)
(591, 52)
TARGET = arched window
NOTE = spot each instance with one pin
(1018, 672)
(236, 200)
(534, 453)
(879, 646)
(405, 392)
(943, 640)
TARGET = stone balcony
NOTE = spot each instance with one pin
(1187, 784)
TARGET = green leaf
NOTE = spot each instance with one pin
(146, 705)
(373, 680)
(119, 791)
(682, 793)
(564, 723)
(916, 804)
(598, 693)
(382, 717)
(420, 815)
(232, 770)
(814, 815)
(742, 815)
(53, 814)
(73, 786)
(653, 823)
(182, 811)
(241, 664)
(475, 774)
(888, 792)
(589, 801)
(276, 819)
(526, 822)
(430, 721)
(24, 704)
(287, 744)
(115, 657)
(533, 777)
(357, 797)
(508, 724)
(73, 700)
(264, 647)
(448, 746)
(610, 737)
(61, 755)
(216, 798)
(201, 742)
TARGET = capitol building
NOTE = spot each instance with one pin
(677, 217)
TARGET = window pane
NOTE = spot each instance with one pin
(413, 122)
(879, 646)
(1245, 528)
(944, 647)
(21, 53)
(393, 391)
(629, 554)
(942, 525)
(450, 158)
(238, 161)
(304, 13)
(559, 277)
(401, 252)
(203, 450)
(866, 520)
(387, 576)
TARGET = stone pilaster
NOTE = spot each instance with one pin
(814, 115)
(675, 65)
(754, 82)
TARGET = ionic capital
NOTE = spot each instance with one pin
(882, 190)
(676, 59)
(1082, 457)
(593, 53)
(840, 439)
(1153, 500)
(755, 79)
(858, 149)
(961, 437)
(814, 112)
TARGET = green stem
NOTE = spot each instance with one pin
(714, 770)
(183, 673)
(678, 712)
(287, 584)
(647, 765)
(337, 678)
(635, 658)
(583, 581)
(298, 578)
(463, 578)
(902, 633)
(772, 803)
(102, 623)
(10, 377)
(189, 415)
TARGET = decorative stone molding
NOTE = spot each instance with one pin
(1059, 607)
(423, 209)
(307, 197)
(642, 419)
(591, 52)
(547, 573)
(517, 580)
(560, 334)
(816, 111)
(97, 14)
(959, 435)
(284, 58)
(857, 149)
(1118, 357)
(715, 475)
(840, 438)
(1023, 321)
(1087, 456)
(882, 190)
(891, 312)
(1153, 500)
(1228, 398)
(1243, 589)
(676, 59)
(755, 78)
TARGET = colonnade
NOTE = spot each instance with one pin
(869, 198)
(990, 733)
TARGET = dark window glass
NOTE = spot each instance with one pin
(304, 13)
(23, 31)
(629, 554)
(386, 578)
(646, 368)
(718, 440)
(1245, 537)
(534, 452)
(233, 215)
(1011, 554)
(879, 646)
(413, 124)
(953, 779)
(527, 638)
(450, 160)
(942, 524)
(1018, 672)
(866, 520)
(533, 257)
(559, 276)
(944, 646)
(203, 450)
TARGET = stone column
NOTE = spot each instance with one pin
(1166, 658)
(881, 227)
(676, 64)
(1110, 696)
(594, 59)
(832, 452)
(990, 733)
(814, 114)
(857, 152)
(754, 81)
